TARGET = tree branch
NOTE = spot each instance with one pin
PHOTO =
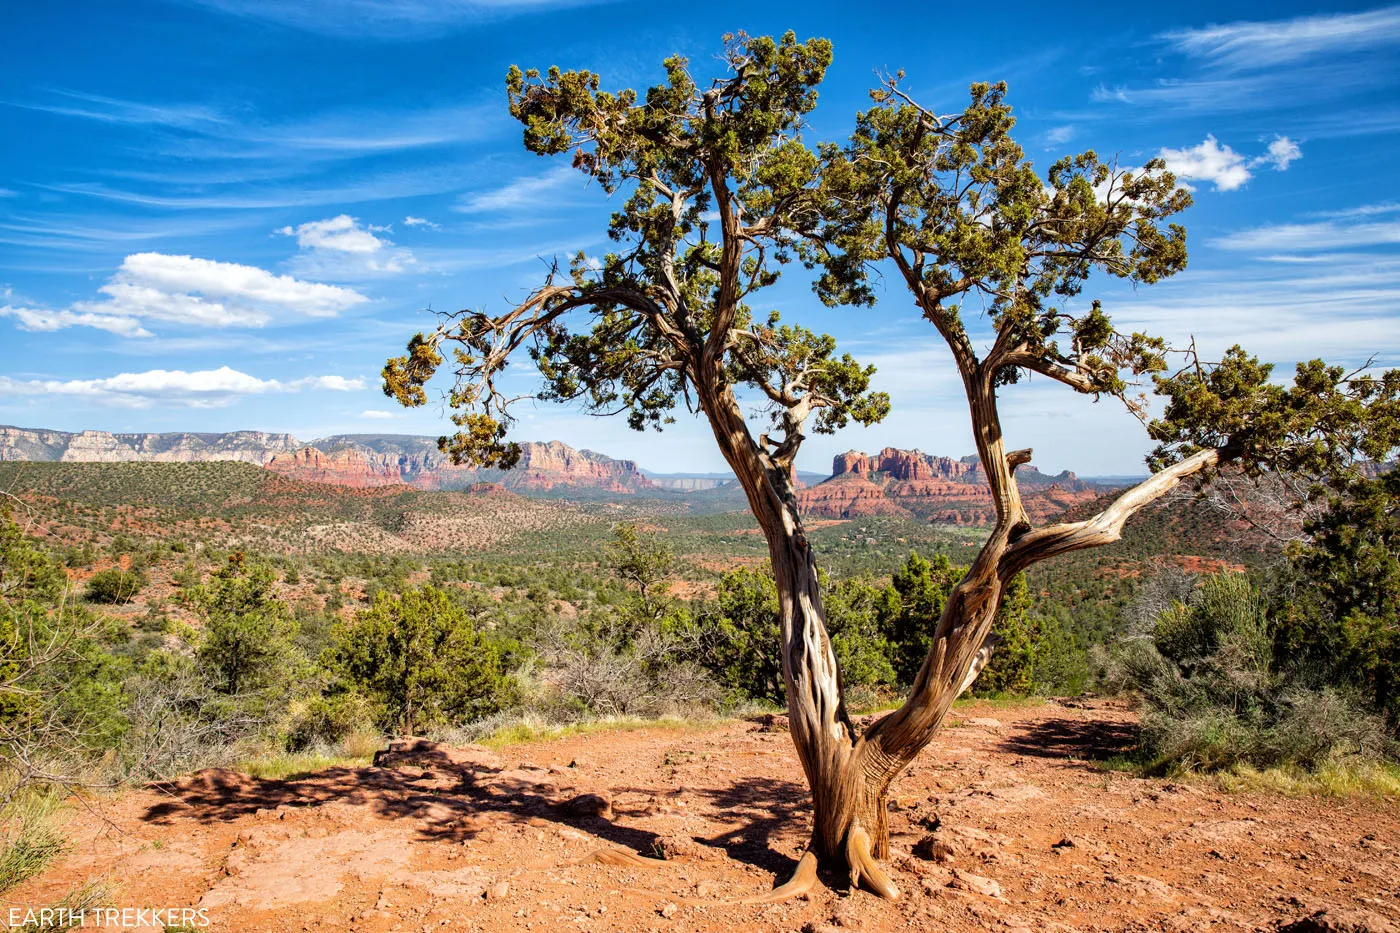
(1106, 526)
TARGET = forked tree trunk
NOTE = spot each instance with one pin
(850, 776)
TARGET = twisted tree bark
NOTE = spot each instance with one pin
(850, 775)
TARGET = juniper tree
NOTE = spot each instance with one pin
(719, 194)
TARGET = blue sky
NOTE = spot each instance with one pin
(225, 214)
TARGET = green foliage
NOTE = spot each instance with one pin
(26, 571)
(1341, 619)
(922, 587)
(1032, 653)
(954, 201)
(647, 565)
(1216, 695)
(60, 673)
(30, 840)
(854, 620)
(328, 720)
(1316, 426)
(115, 585)
(1227, 613)
(247, 636)
(740, 641)
(421, 658)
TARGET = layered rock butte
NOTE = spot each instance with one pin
(932, 488)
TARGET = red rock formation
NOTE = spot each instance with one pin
(342, 468)
(542, 468)
(939, 489)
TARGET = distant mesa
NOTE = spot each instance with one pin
(933, 488)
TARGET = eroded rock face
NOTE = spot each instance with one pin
(542, 468)
(343, 468)
(937, 489)
(179, 447)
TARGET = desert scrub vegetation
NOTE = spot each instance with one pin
(115, 585)
(1220, 691)
(32, 839)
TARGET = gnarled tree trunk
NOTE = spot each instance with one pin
(850, 776)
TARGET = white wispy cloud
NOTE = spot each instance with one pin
(1206, 87)
(1270, 43)
(209, 388)
(105, 109)
(521, 193)
(69, 232)
(8, 193)
(378, 415)
(1312, 237)
(203, 131)
(1059, 135)
(191, 291)
(375, 186)
(1226, 169)
(384, 19)
(411, 221)
(1364, 210)
(43, 320)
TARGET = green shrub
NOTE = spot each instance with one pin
(1214, 697)
(114, 585)
(419, 656)
(247, 641)
(329, 720)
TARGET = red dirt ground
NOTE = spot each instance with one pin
(466, 839)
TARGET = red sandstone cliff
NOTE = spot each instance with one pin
(341, 468)
(937, 489)
(543, 467)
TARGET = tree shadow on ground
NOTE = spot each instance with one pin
(457, 800)
(766, 809)
(1089, 741)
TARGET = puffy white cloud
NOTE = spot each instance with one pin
(191, 291)
(240, 284)
(1209, 161)
(340, 247)
(1282, 151)
(342, 233)
(209, 388)
(1225, 168)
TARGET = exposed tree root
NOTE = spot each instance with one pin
(802, 881)
(864, 868)
(619, 857)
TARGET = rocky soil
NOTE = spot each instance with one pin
(1006, 824)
